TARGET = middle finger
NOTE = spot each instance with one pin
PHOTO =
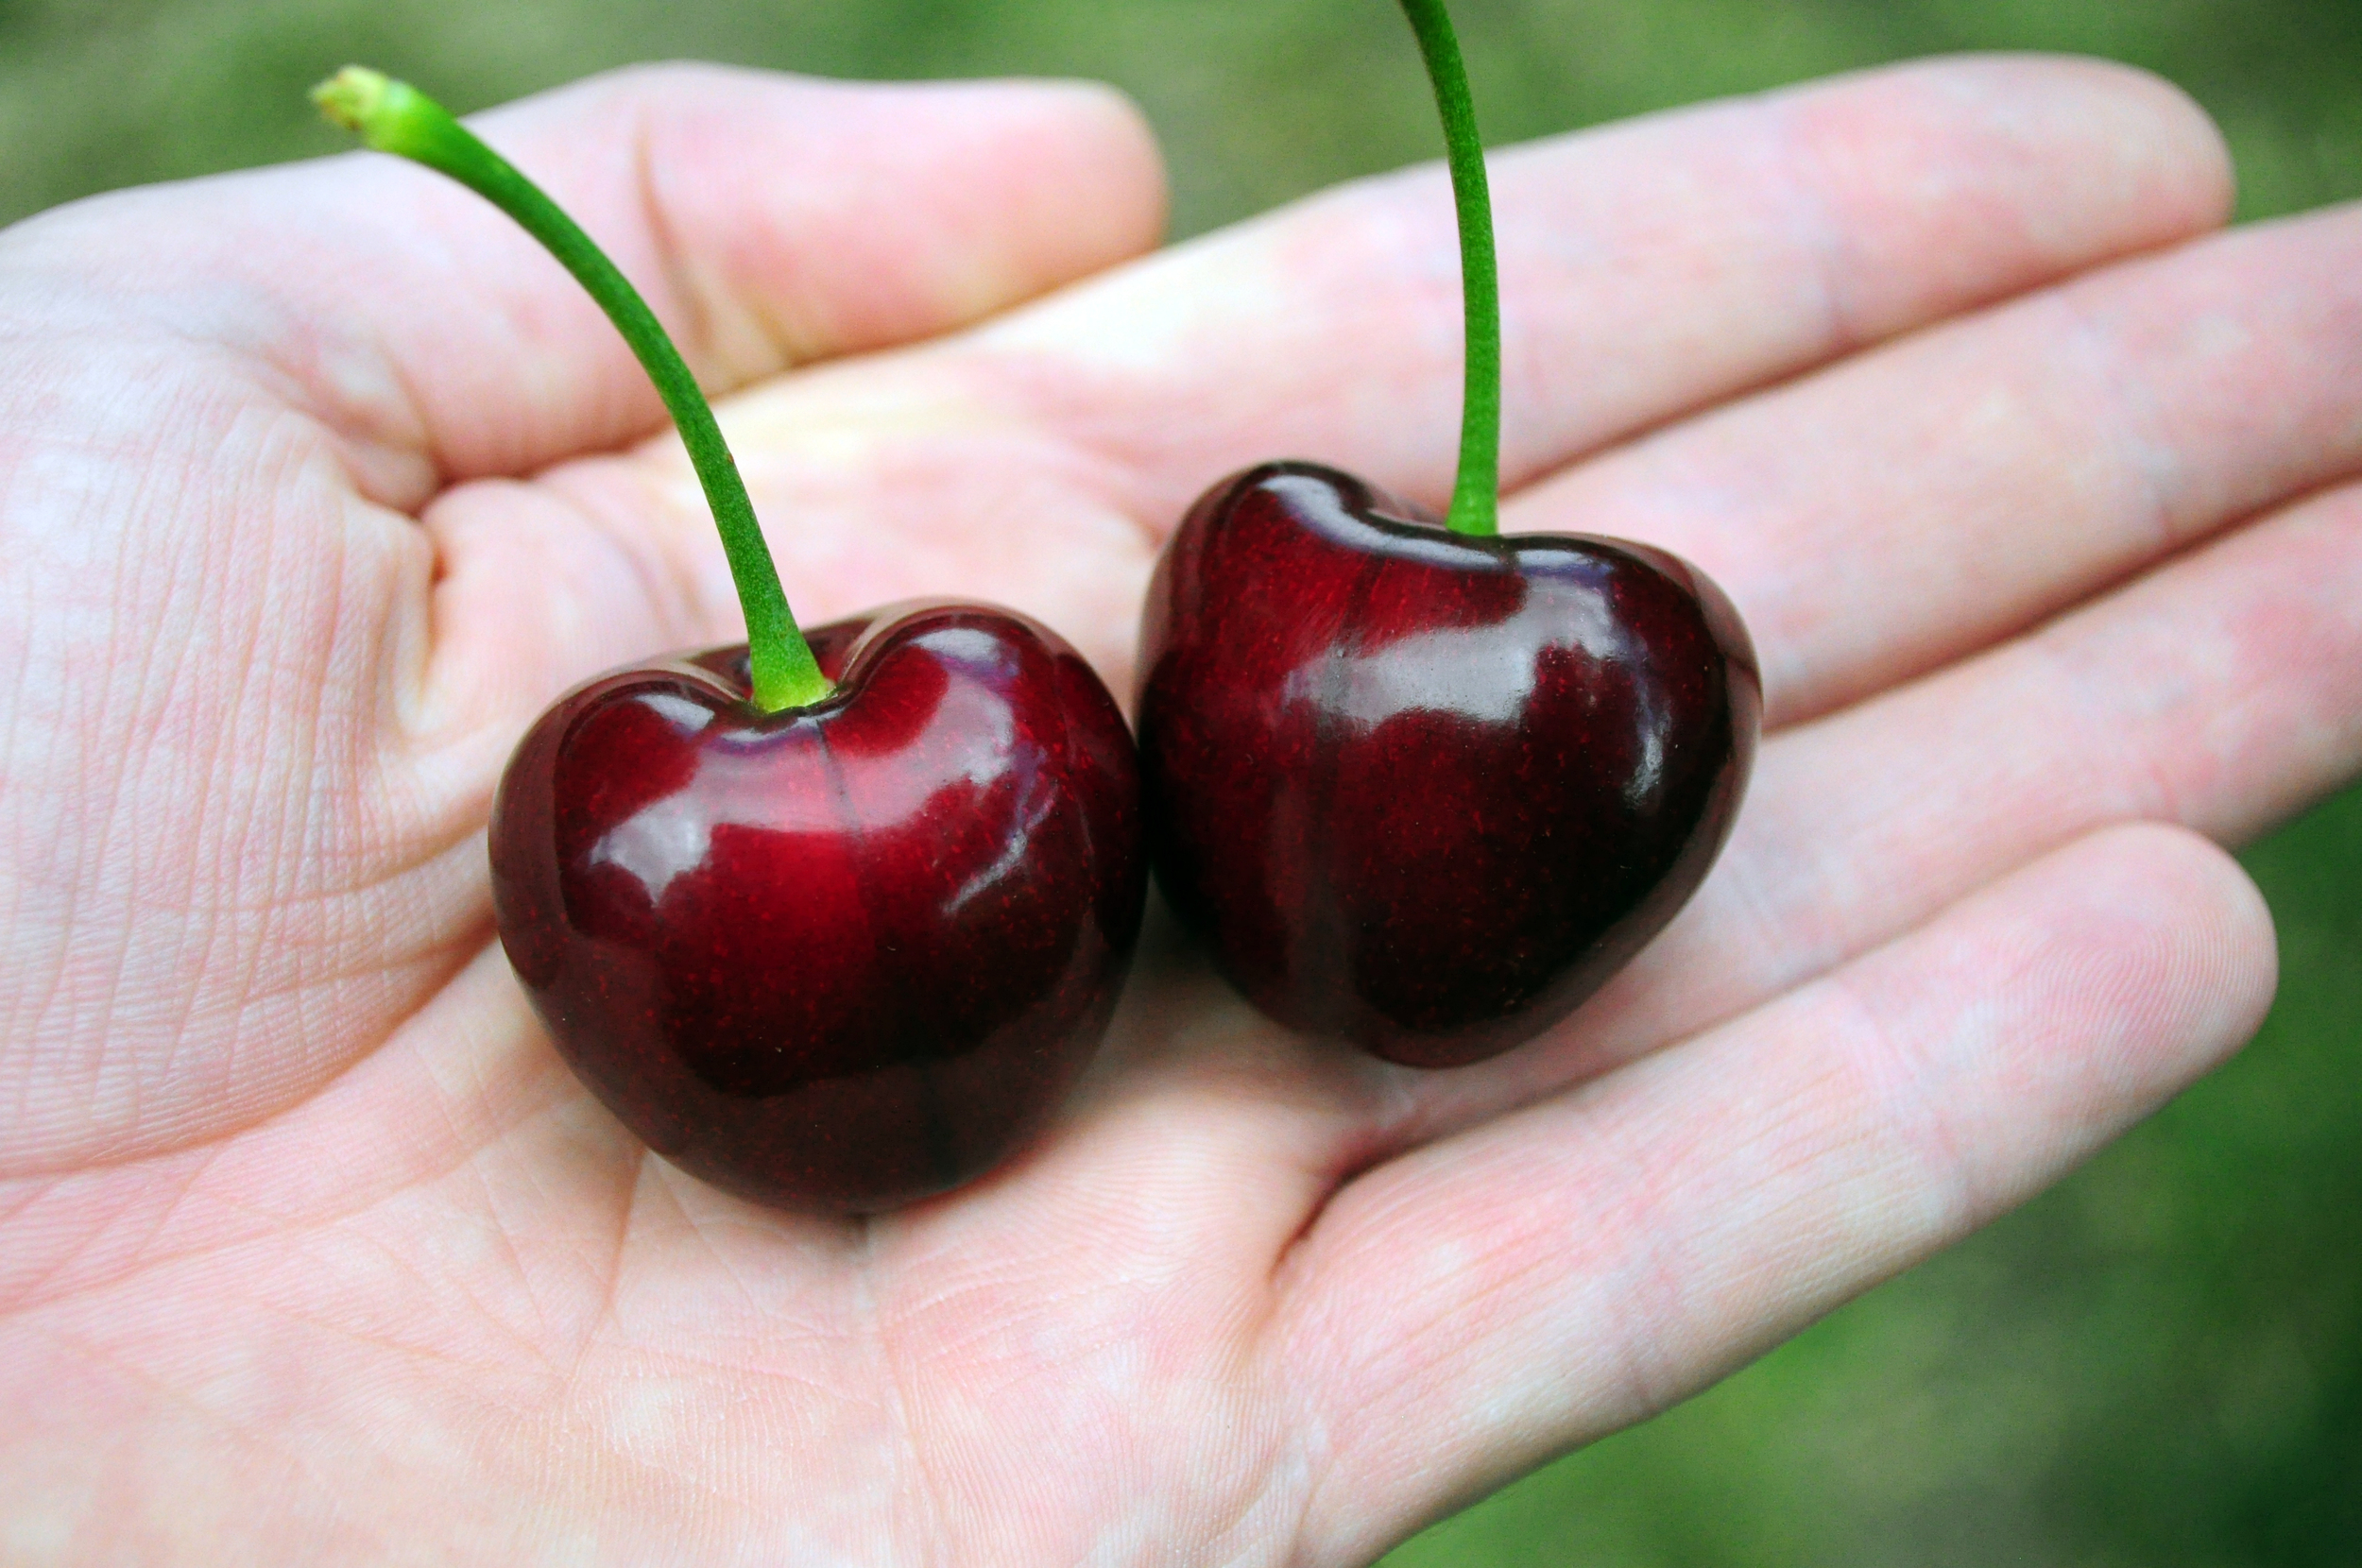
(1917, 502)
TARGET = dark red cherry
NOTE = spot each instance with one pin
(840, 957)
(1422, 791)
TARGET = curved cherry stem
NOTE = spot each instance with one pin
(395, 117)
(1476, 494)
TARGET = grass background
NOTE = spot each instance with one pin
(2159, 1362)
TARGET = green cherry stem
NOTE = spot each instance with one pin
(1476, 495)
(395, 117)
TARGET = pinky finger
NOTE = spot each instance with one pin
(1462, 1313)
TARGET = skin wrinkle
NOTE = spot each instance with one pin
(1296, 1314)
(896, 1400)
(418, 440)
(434, 721)
(461, 949)
(140, 1256)
(621, 1347)
(695, 332)
(219, 335)
(1253, 1341)
(133, 1083)
(26, 1294)
(114, 808)
(241, 1434)
(545, 1354)
(1303, 1312)
(2163, 803)
(308, 859)
(720, 1260)
(361, 1205)
(1350, 1370)
(521, 1275)
(1765, 926)
(414, 1338)
(244, 817)
(2154, 796)
(671, 582)
(1387, 1129)
(92, 1351)
(1299, 1550)
(1883, 1059)
(409, 451)
(285, 372)
(704, 304)
(2134, 431)
(1648, 1367)
(1644, 1289)
(527, 1348)
(528, 339)
(605, 1317)
(440, 1285)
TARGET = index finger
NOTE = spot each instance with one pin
(1647, 270)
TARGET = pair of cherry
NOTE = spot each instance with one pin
(834, 921)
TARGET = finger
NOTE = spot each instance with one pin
(2222, 693)
(769, 220)
(1039, 461)
(1646, 270)
(1553, 1276)
(1913, 504)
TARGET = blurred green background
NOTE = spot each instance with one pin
(2158, 1363)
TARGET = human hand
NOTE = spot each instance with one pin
(310, 1249)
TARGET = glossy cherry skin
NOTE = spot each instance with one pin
(1425, 792)
(842, 957)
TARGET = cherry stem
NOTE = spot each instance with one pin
(1476, 495)
(394, 117)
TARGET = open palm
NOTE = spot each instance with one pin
(317, 484)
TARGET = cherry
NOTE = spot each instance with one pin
(830, 923)
(1419, 786)
(843, 956)
(1427, 792)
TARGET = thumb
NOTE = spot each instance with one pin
(769, 220)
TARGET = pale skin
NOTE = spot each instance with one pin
(2038, 493)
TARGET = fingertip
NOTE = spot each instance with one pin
(1948, 182)
(2151, 119)
(1067, 180)
(2141, 958)
(2217, 981)
(1110, 145)
(2168, 149)
(1003, 189)
(799, 218)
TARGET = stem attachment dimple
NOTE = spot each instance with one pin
(393, 116)
(1476, 494)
